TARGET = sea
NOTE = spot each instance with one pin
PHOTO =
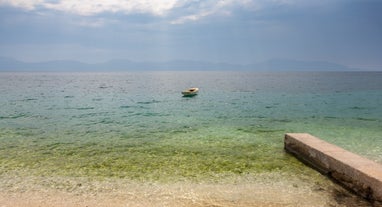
(137, 125)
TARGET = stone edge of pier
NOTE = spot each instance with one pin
(357, 173)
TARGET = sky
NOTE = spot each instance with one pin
(347, 32)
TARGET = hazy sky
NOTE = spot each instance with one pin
(347, 32)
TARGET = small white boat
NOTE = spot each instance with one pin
(190, 92)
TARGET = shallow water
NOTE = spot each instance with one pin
(138, 126)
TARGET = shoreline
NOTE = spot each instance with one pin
(265, 189)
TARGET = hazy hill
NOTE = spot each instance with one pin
(294, 65)
(8, 64)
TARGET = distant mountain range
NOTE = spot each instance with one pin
(8, 64)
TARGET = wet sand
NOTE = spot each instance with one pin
(272, 189)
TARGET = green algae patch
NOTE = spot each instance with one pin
(190, 155)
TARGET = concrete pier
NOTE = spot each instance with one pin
(361, 175)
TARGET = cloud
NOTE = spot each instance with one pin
(199, 9)
(180, 11)
(196, 10)
(93, 7)
(25, 4)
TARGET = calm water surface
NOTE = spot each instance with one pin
(138, 125)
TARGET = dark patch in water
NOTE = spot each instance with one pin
(148, 102)
(268, 130)
(106, 121)
(30, 99)
(357, 108)
(125, 107)
(281, 120)
(68, 96)
(259, 130)
(366, 119)
(84, 108)
(53, 146)
(345, 198)
(104, 87)
(154, 114)
(13, 116)
(330, 117)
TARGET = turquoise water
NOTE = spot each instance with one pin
(137, 125)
